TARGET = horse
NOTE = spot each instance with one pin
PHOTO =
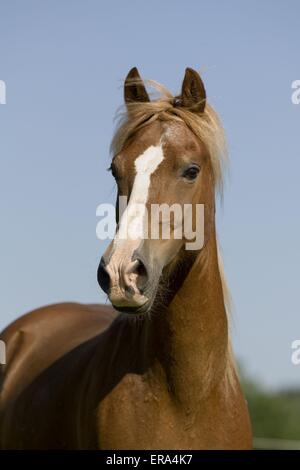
(155, 370)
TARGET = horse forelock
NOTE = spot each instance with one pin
(206, 126)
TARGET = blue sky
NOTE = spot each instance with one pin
(64, 63)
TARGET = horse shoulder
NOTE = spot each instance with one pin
(39, 338)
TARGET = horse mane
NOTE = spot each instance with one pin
(232, 368)
(209, 130)
(206, 126)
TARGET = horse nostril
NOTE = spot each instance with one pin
(103, 276)
(142, 275)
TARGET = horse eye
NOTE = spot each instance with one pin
(191, 173)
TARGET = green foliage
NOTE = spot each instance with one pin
(273, 414)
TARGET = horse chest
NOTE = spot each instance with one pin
(137, 416)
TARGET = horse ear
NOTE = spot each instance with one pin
(193, 93)
(134, 88)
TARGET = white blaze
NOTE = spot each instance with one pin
(133, 219)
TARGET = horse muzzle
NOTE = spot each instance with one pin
(126, 282)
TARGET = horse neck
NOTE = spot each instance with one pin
(191, 335)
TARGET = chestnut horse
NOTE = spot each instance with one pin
(160, 374)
